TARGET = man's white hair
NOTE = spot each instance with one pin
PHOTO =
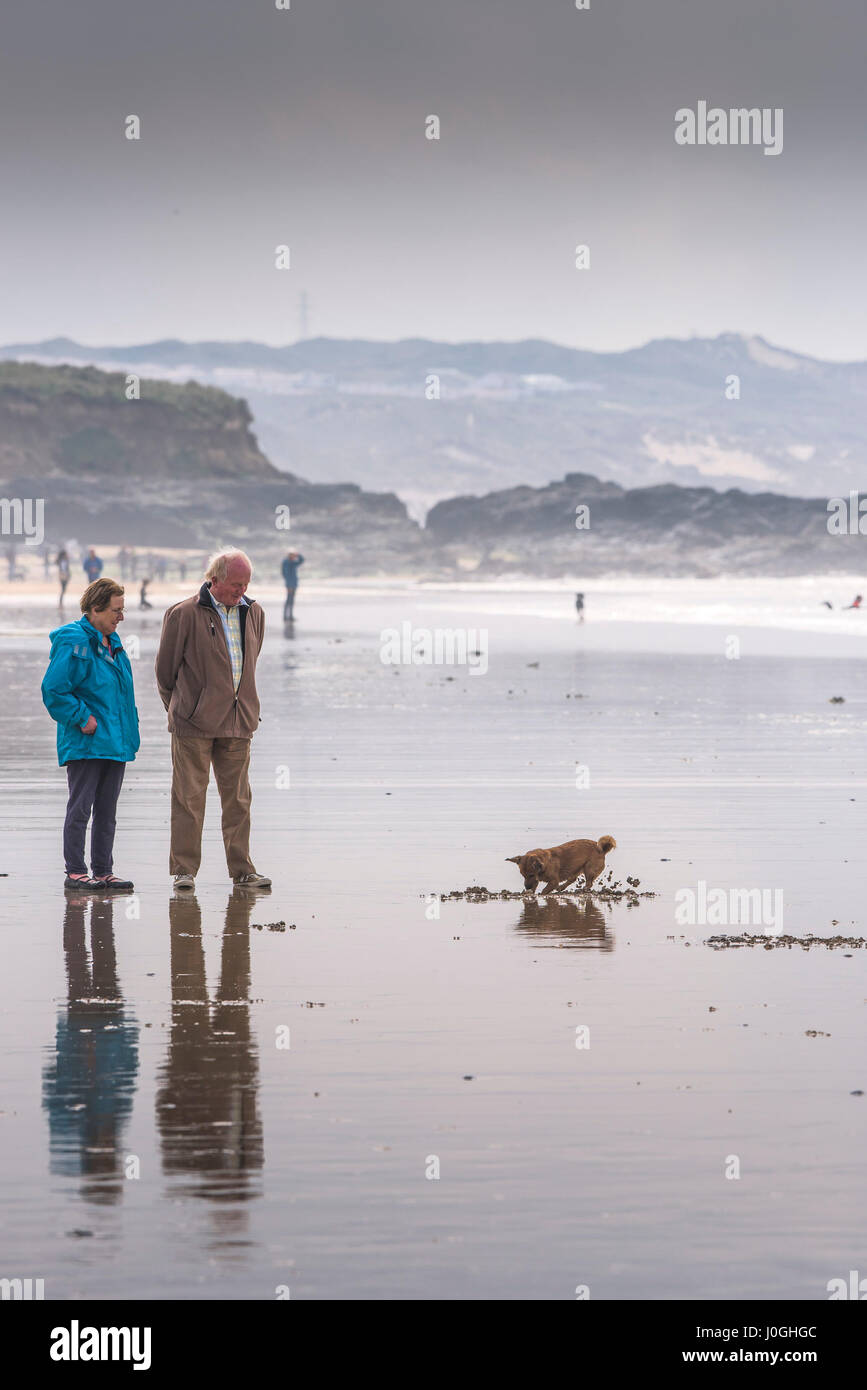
(219, 563)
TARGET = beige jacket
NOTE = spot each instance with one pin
(194, 670)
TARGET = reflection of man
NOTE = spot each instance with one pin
(207, 1097)
(206, 674)
(87, 1089)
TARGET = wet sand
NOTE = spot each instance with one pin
(145, 1035)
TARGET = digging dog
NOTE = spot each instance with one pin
(557, 868)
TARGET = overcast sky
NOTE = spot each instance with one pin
(307, 127)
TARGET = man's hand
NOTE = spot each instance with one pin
(90, 726)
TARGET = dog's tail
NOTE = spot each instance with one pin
(606, 843)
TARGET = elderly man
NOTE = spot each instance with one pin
(206, 674)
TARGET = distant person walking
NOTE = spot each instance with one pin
(123, 562)
(62, 563)
(92, 565)
(88, 691)
(143, 595)
(579, 607)
(856, 602)
(290, 568)
(206, 675)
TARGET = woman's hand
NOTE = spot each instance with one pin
(90, 726)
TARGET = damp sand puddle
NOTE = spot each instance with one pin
(283, 1126)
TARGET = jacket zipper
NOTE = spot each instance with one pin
(235, 701)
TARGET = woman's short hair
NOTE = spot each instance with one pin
(98, 595)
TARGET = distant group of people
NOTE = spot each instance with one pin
(156, 566)
(128, 562)
(208, 688)
(856, 603)
(92, 566)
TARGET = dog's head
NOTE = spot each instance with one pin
(534, 867)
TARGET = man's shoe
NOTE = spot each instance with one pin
(251, 881)
(185, 882)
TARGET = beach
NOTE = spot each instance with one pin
(354, 1087)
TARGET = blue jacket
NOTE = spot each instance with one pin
(92, 567)
(290, 571)
(82, 680)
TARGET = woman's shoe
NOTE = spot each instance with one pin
(85, 884)
(119, 885)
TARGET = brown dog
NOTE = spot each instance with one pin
(560, 866)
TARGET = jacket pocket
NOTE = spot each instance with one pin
(191, 717)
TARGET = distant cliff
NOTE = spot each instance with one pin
(181, 467)
(77, 421)
(178, 467)
(581, 526)
(430, 420)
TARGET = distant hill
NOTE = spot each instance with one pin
(181, 467)
(528, 412)
(662, 530)
(178, 467)
(70, 420)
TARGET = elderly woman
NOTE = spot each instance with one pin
(88, 690)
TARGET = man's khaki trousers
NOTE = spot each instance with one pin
(192, 759)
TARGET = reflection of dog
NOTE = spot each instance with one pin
(560, 866)
(565, 922)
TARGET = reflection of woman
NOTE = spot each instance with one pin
(88, 1086)
(88, 690)
(62, 573)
